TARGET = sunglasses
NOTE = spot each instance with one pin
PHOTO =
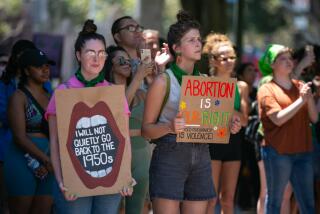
(122, 61)
(223, 58)
(132, 28)
(90, 54)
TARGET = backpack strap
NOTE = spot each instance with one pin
(166, 97)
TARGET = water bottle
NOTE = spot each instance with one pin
(33, 164)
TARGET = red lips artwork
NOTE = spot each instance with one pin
(95, 144)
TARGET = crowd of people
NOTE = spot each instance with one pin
(277, 122)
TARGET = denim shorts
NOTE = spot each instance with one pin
(180, 171)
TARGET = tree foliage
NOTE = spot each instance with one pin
(10, 13)
(264, 16)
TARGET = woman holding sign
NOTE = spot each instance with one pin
(90, 49)
(226, 158)
(179, 172)
(286, 109)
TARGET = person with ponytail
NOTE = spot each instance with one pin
(29, 189)
(90, 51)
(180, 173)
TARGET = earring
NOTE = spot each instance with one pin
(178, 56)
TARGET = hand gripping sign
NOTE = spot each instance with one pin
(207, 106)
(93, 140)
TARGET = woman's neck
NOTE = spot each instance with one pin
(222, 74)
(88, 76)
(33, 86)
(187, 66)
(282, 80)
(132, 52)
(119, 79)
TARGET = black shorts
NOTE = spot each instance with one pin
(230, 151)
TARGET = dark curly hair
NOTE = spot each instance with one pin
(185, 22)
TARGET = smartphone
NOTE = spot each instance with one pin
(145, 54)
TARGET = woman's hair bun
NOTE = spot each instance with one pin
(184, 16)
(89, 27)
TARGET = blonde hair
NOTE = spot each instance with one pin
(214, 41)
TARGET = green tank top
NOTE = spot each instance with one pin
(135, 122)
(237, 99)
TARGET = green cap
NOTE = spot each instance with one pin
(269, 57)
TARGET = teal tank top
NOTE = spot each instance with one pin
(135, 122)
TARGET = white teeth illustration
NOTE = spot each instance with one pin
(101, 173)
(86, 122)
(97, 120)
(94, 174)
(108, 170)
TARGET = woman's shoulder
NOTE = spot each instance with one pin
(242, 85)
(265, 89)
(18, 97)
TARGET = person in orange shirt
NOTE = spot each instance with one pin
(286, 109)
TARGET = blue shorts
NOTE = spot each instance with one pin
(19, 179)
(180, 171)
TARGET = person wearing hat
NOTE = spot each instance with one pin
(8, 85)
(286, 109)
(29, 181)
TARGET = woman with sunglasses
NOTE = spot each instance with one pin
(90, 50)
(226, 158)
(118, 71)
(180, 173)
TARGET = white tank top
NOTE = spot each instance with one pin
(171, 108)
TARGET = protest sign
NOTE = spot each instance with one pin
(92, 129)
(206, 104)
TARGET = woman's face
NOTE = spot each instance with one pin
(283, 64)
(92, 57)
(190, 45)
(224, 60)
(249, 74)
(38, 74)
(121, 64)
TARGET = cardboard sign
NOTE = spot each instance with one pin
(207, 106)
(93, 140)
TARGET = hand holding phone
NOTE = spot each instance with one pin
(145, 56)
